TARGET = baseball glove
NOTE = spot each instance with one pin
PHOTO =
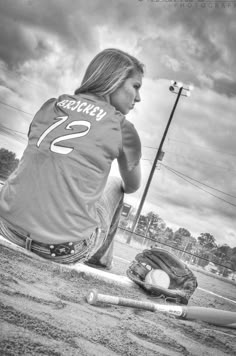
(182, 282)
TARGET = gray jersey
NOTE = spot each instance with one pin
(73, 141)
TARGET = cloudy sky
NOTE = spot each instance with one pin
(45, 46)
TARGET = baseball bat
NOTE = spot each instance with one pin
(210, 315)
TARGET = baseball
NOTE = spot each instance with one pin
(158, 277)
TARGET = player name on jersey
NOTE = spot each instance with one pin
(83, 106)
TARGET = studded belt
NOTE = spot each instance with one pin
(66, 252)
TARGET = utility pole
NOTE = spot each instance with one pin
(160, 153)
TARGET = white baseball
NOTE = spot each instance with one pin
(158, 277)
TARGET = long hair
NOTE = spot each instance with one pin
(107, 71)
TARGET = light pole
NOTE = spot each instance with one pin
(179, 89)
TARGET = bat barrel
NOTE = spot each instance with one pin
(211, 315)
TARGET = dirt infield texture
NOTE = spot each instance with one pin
(44, 312)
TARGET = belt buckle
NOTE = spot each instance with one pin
(64, 249)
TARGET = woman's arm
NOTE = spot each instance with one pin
(131, 179)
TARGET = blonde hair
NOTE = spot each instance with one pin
(107, 71)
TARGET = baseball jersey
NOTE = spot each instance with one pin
(72, 143)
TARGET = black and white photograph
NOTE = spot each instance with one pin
(117, 177)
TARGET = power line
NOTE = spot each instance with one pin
(154, 148)
(189, 144)
(7, 128)
(13, 107)
(205, 148)
(186, 157)
(197, 160)
(203, 162)
(206, 191)
(10, 132)
(19, 138)
(33, 83)
(206, 185)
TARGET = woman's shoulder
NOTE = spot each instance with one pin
(127, 125)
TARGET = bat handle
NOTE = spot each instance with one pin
(93, 297)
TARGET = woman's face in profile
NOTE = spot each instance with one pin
(125, 97)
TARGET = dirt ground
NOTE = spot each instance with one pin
(44, 311)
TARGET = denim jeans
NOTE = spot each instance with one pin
(109, 209)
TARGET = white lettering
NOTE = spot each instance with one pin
(60, 120)
(88, 108)
(84, 107)
(66, 150)
(79, 108)
(93, 112)
(61, 103)
(76, 106)
(71, 102)
(65, 102)
(100, 115)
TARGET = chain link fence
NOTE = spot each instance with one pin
(199, 258)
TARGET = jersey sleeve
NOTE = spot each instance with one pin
(130, 153)
(38, 113)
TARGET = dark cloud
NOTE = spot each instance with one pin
(28, 29)
(196, 44)
(225, 86)
(27, 26)
(18, 44)
(184, 44)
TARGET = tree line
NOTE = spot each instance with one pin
(204, 246)
(8, 163)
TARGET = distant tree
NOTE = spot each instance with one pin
(222, 251)
(204, 260)
(232, 257)
(155, 224)
(177, 239)
(183, 232)
(193, 240)
(234, 251)
(207, 240)
(150, 225)
(142, 224)
(181, 235)
(168, 233)
(190, 244)
(233, 262)
(8, 163)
